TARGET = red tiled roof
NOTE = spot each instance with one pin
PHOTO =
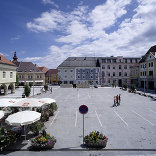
(43, 69)
(51, 71)
(5, 61)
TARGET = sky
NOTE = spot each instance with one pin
(46, 32)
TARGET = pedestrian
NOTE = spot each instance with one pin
(114, 102)
(117, 100)
(51, 89)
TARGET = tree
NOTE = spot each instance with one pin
(17, 80)
(46, 87)
(27, 90)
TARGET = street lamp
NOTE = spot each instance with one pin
(144, 77)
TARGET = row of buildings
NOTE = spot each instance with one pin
(143, 74)
(77, 70)
(110, 70)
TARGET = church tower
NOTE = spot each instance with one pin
(15, 58)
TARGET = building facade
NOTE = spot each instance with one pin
(116, 70)
(134, 74)
(28, 73)
(7, 76)
(77, 70)
(51, 76)
(147, 66)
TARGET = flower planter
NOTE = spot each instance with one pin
(100, 144)
(95, 140)
(43, 142)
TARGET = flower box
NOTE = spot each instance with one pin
(42, 142)
(95, 140)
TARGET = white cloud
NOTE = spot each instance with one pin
(32, 59)
(50, 2)
(16, 37)
(84, 31)
(47, 22)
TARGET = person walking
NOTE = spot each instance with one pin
(114, 101)
(51, 89)
(119, 99)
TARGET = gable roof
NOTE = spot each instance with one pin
(151, 50)
(27, 67)
(79, 62)
(51, 71)
(44, 69)
(3, 60)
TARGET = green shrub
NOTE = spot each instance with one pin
(36, 127)
(53, 106)
(6, 138)
(27, 90)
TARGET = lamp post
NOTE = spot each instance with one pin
(144, 77)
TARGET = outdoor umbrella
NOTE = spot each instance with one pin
(30, 102)
(48, 100)
(23, 118)
(1, 114)
(8, 102)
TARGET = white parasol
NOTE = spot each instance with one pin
(1, 114)
(23, 118)
(8, 102)
(48, 100)
(30, 102)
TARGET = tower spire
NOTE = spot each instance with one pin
(15, 57)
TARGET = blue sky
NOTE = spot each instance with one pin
(46, 32)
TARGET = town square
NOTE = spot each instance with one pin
(78, 78)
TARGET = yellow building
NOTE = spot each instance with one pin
(51, 76)
(7, 76)
(147, 68)
(134, 75)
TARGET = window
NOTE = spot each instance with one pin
(108, 67)
(103, 67)
(125, 66)
(71, 70)
(108, 60)
(83, 77)
(103, 60)
(114, 60)
(150, 73)
(119, 73)
(109, 74)
(4, 74)
(113, 73)
(91, 77)
(125, 74)
(141, 73)
(131, 60)
(125, 60)
(65, 71)
(40, 76)
(78, 76)
(119, 66)
(113, 67)
(119, 60)
(11, 74)
(136, 61)
(151, 64)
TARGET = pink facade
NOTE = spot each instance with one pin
(116, 70)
